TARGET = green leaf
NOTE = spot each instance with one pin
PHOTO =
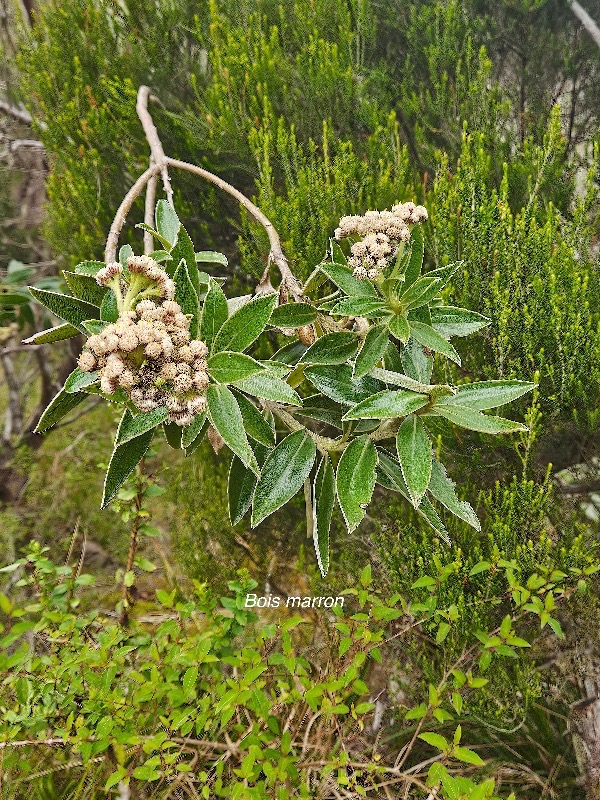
(245, 325)
(415, 456)
(321, 408)
(132, 427)
(450, 321)
(421, 292)
(442, 488)
(323, 503)
(283, 474)
(167, 222)
(337, 383)
(125, 253)
(291, 353)
(89, 268)
(70, 309)
(487, 394)
(416, 363)
(79, 379)
(226, 417)
(240, 489)
(372, 350)
(192, 431)
(392, 478)
(94, 326)
(186, 296)
(85, 287)
(230, 367)
(13, 299)
(399, 328)
(432, 340)
(476, 421)
(109, 311)
(124, 460)
(211, 257)
(397, 379)
(359, 307)
(269, 388)
(387, 405)
(343, 277)
(184, 249)
(415, 260)
(165, 242)
(355, 480)
(57, 334)
(214, 313)
(435, 740)
(293, 315)
(332, 348)
(173, 434)
(58, 408)
(255, 424)
(468, 756)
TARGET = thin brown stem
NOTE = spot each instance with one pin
(149, 211)
(110, 251)
(128, 598)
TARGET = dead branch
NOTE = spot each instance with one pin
(588, 23)
(160, 164)
(16, 112)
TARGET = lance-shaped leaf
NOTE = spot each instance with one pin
(245, 325)
(173, 434)
(359, 307)
(211, 257)
(109, 311)
(268, 387)
(443, 489)
(90, 267)
(56, 334)
(322, 506)
(487, 394)
(58, 408)
(398, 379)
(186, 296)
(322, 409)
(415, 362)
(132, 427)
(70, 309)
(214, 313)
(399, 328)
(332, 348)
(230, 367)
(415, 261)
(450, 321)
(432, 340)
(387, 405)
(415, 456)
(337, 383)
(94, 326)
(167, 222)
(293, 315)
(184, 249)
(476, 421)
(355, 480)
(444, 274)
(283, 474)
(421, 292)
(343, 277)
(125, 458)
(125, 253)
(372, 350)
(390, 476)
(192, 431)
(226, 418)
(85, 288)
(291, 353)
(255, 424)
(79, 379)
(240, 489)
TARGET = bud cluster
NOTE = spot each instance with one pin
(148, 354)
(381, 233)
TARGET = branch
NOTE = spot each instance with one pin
(588, 23)
(20, 114)
(160, 163)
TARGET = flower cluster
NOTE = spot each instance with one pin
(381, 233)
(148, 354)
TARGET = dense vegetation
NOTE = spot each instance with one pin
(468, 670)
